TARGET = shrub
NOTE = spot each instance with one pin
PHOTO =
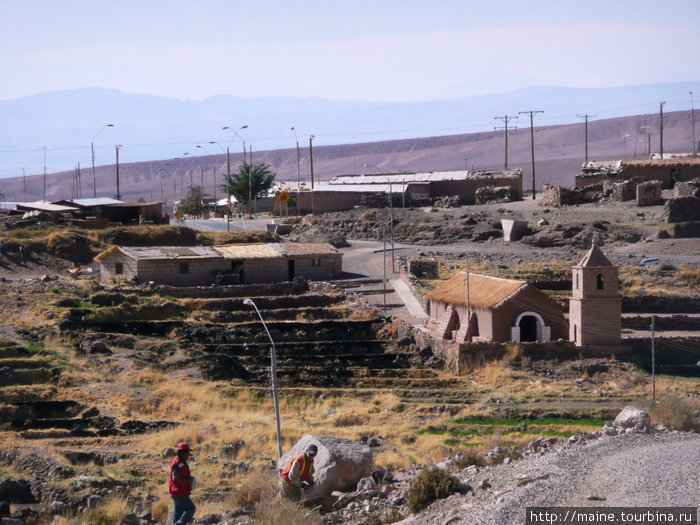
(258, 486)
(496, 225)
(279, 510)
(675, 412)
(431, 485)
(667, 267)
(469, 459)
(389, 517)
(600, 224)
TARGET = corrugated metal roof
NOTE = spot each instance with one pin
(251, 251)
(169, 252)
(428, 176)
(99, 201)
(484, 291)
(308, 248)
(45, 206)
(362, 188)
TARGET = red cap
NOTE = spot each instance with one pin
(184, 446)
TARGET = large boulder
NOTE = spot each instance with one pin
(633, 418)
(339, 465)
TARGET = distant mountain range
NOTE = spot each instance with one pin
(150, 127)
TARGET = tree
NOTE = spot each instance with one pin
(262, 179)
(194, 202)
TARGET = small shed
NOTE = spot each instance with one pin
(315, 261)
(256, 263)
(173, 265)
(502, 310)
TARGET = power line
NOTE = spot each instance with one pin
(532, 145)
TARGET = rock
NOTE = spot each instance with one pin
(373, 442)
(367, 484)
(168, 453)
(634, 419)
(208, 519)
(484, 484)
(94, 501)
(133, 519)
(99, 347)
(328, 412)
(340, 463)
(17, 491)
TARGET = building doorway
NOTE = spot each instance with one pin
(290, 267)
(528, 328)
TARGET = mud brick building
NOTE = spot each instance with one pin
(668, 171)
(174, 265)
(499, 310)
(347, 191)
(595, 308)
(233, 264)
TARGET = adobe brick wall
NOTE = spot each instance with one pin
(649, 193)
(689, 188)
(167, 271)
(330, 268)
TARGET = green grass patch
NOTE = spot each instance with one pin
(496, 421)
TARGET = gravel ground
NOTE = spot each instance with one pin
(628, 470)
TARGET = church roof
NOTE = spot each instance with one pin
(594, 258)
(484, 291)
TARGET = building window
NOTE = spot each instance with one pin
(184, 267)
(600, 282)
(315, 262)
(118, 268)
(575, 333)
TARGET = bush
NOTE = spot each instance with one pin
(431, 485)
(389, 517)
(676, 413)
(469, 459)
(279, 510)
(258, 486)
(600, 225)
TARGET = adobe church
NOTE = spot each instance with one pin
(595, 308)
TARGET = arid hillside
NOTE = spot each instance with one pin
(559, 152)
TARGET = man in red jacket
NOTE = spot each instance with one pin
(180, 486)
(298, 474)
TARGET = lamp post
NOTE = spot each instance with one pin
(92, 150)
(298, 174)
(391, 212)
(692, 123)
(273, 377)
(228, 183)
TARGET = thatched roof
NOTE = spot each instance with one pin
(251, 251)
(106, 253)
(484, 291)
(308, 248)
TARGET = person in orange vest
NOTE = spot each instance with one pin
(180, 483)
(298, 474)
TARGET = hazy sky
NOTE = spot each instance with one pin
(391, 50)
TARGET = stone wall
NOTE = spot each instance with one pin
(427, 267)
(649, 193)
(560, 196)
(682, 209)
(496, 194)
(686, 229)
(621, 191)
(690, 188)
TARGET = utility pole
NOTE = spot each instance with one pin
(505, 119)
(586, 117)
(43, 193)
(80, 183)
(653, 363)
(228, 189)
(661, 129)
(311, 159)
(647, 130)
(625, 137)
(298, 174)
(117, 148)
(532, 145)
(692, 124)
(24, 181)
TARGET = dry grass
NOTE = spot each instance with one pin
(676, 412)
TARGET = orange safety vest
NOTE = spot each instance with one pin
(305, 468)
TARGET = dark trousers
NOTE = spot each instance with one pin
(184, 510)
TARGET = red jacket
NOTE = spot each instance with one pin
(182, 487)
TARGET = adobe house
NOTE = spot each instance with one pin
(668, 171)
(502, 310)
(173, 265)
(595, 307)
(315, 261)
(255, 263)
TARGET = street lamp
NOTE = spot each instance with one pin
(298, 174)
(228, 183)
(273, 377)
(92, 149)
(391, 211)
(391, 221)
